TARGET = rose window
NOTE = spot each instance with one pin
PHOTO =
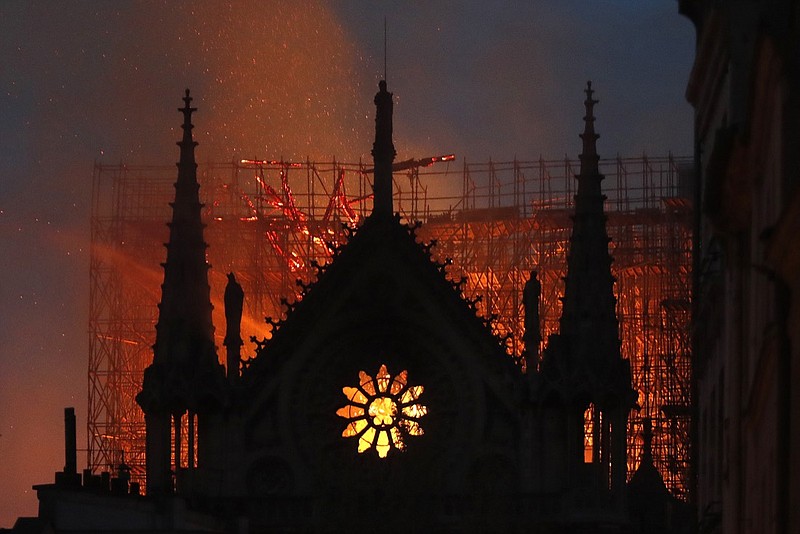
(382, 412)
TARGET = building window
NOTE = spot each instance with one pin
(589, 434)
(382, 412)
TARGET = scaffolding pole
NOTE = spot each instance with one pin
(269, 221)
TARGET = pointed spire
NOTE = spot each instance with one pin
(589, 327)
(187, 200)
(383, 153)
(187, 144)
(584, 361)
(184, 332)
(647, 489)
(589, 315)
(589, 158)
(185, 372)
(185, 299)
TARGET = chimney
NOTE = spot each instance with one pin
(70, 447)
(69, 477)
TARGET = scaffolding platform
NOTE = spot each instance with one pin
(270, 221)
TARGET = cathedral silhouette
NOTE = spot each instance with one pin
(382, 400)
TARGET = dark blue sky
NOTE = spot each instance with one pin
(87, 81)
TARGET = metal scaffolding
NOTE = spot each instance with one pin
(268, 221)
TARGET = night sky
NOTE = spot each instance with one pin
(87, 81)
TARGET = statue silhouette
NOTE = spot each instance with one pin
(234, 300)
(530, 300)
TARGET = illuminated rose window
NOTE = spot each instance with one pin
(382, 411)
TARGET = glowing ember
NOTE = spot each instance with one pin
(382, 411)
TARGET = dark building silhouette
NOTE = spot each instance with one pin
(583, 377)
(185, 378)
(744, 87)
(382, 400)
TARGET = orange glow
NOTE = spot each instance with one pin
(383, 411)
(271, 162)
(588, 435)
(380, 414)
(494, 252)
